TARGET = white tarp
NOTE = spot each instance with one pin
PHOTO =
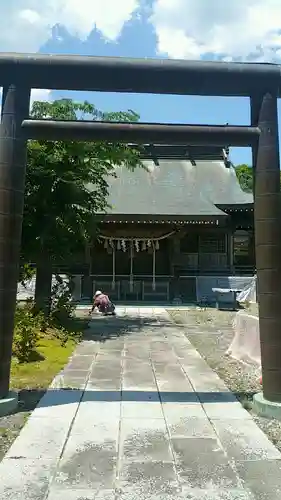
(248, 294)
(205, 285)
(246, 342)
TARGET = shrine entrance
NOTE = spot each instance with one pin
(260, 82)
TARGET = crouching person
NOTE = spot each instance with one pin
(103, 303)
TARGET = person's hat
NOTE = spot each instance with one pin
(98, 292)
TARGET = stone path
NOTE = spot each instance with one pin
(147, 419)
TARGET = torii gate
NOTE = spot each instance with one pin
(260, 82)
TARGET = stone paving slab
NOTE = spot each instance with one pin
(73, 379)
(59, 404)
(87, 347)
(112, 373)
(80, 362)
(262, 478)
(103, 396)
(110, 385)
(48, 439)
(220, 411)
(89, 459)
(173, 413)
(131, 409)
(230, 494)
(145, 440)
(25, 479)
(148, 478)
(202, 463)
(190, 425)
(75, 494)
(146, 419)
(93, 413)
(243, 440)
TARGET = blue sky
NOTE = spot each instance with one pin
(157, 108)
(244, 30)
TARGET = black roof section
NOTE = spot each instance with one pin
(156, 152)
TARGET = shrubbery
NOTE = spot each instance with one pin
(31, 326)
(26, 332)
(62, 304)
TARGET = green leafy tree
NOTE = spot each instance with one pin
(244, 174)
(65, 188)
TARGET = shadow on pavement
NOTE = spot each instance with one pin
(57, 397)
(104, 328)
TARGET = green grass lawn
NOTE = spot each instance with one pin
(39, 373)
(49, 358)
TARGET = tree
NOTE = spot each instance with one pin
(65, 188)
(244, 174)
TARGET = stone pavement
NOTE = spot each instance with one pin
(146, 419)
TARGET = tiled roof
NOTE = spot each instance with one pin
(175, 188)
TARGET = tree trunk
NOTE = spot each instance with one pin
(43, 286)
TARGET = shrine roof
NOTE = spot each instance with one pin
(176, 189)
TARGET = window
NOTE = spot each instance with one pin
(213, 243)
(242, 248)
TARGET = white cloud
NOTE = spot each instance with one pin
(27, 24)
(232, 29)
(40, 95)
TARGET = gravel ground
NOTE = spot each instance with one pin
(212, 344)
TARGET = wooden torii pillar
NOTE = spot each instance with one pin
(268, 245)
(15, 108)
